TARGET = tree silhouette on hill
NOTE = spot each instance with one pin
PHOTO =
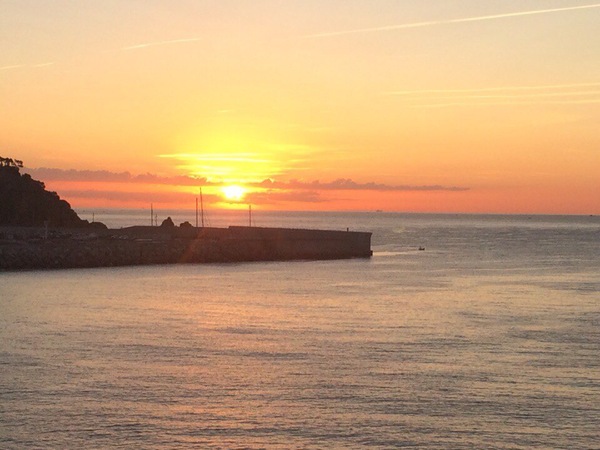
(9, 162)
(26, 202)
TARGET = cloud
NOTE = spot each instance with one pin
(124, 189)
(43, 64)
(160, 43)
(14, 66)
(218, 157)
(449, 21)
(266, 192)
(105, 176)
(545, 94)
(127, 48)
(509, 103)
(21, 66)
(274, 197)
(502, 96)
(165, 197)
(346, 184)
(494, 89)
(311, 192)
(271, 197)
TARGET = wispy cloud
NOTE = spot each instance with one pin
(14, 66)
(346, 184)
(159, 43)
(127, 48)
(449, 21)
(217, 157)
(340, 184)
(557, 94)
(531, 95)
(105, 176)
(23, 66)
(43, 64)
(508, 103)
(275, 197)
(132, 196)
(495, 88)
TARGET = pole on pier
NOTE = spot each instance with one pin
(151, 215)
(202, 207)
(196, 212)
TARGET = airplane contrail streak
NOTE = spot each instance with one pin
(449, 21)
(493, 89)
(14, 66)
(508, 103)
(20, 66)
(153, 44)
(546, 94)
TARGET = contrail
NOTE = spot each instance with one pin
(493, 89)
(508, 103)
(15, 66)
(153, 44)
(545, 94)
(20, 66)
(43, 64)
(450, 21)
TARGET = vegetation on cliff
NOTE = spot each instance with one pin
(26, 202)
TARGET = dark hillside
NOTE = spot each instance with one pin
(26, 202)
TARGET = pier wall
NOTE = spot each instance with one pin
(158, 245)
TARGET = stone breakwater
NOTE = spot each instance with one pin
(28, 249)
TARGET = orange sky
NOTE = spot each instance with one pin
(436, 105)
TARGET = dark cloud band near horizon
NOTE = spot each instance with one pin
(340, 184)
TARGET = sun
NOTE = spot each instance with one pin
(234, 193)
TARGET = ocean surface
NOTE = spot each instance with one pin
(488, 338)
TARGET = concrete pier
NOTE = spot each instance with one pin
(26, 249)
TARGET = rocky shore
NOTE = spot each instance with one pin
(24, 248)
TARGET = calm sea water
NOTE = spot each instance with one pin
(490, 338)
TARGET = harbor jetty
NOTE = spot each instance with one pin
(39, 230)
(30, 248)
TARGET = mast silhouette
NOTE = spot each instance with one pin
(201, 208)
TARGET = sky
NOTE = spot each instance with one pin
(457, 106)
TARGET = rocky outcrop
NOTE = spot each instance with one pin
(26, 202)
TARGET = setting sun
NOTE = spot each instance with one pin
(234, 193)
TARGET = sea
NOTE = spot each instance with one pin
(461, 332)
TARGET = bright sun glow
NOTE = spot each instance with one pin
(234, 193)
